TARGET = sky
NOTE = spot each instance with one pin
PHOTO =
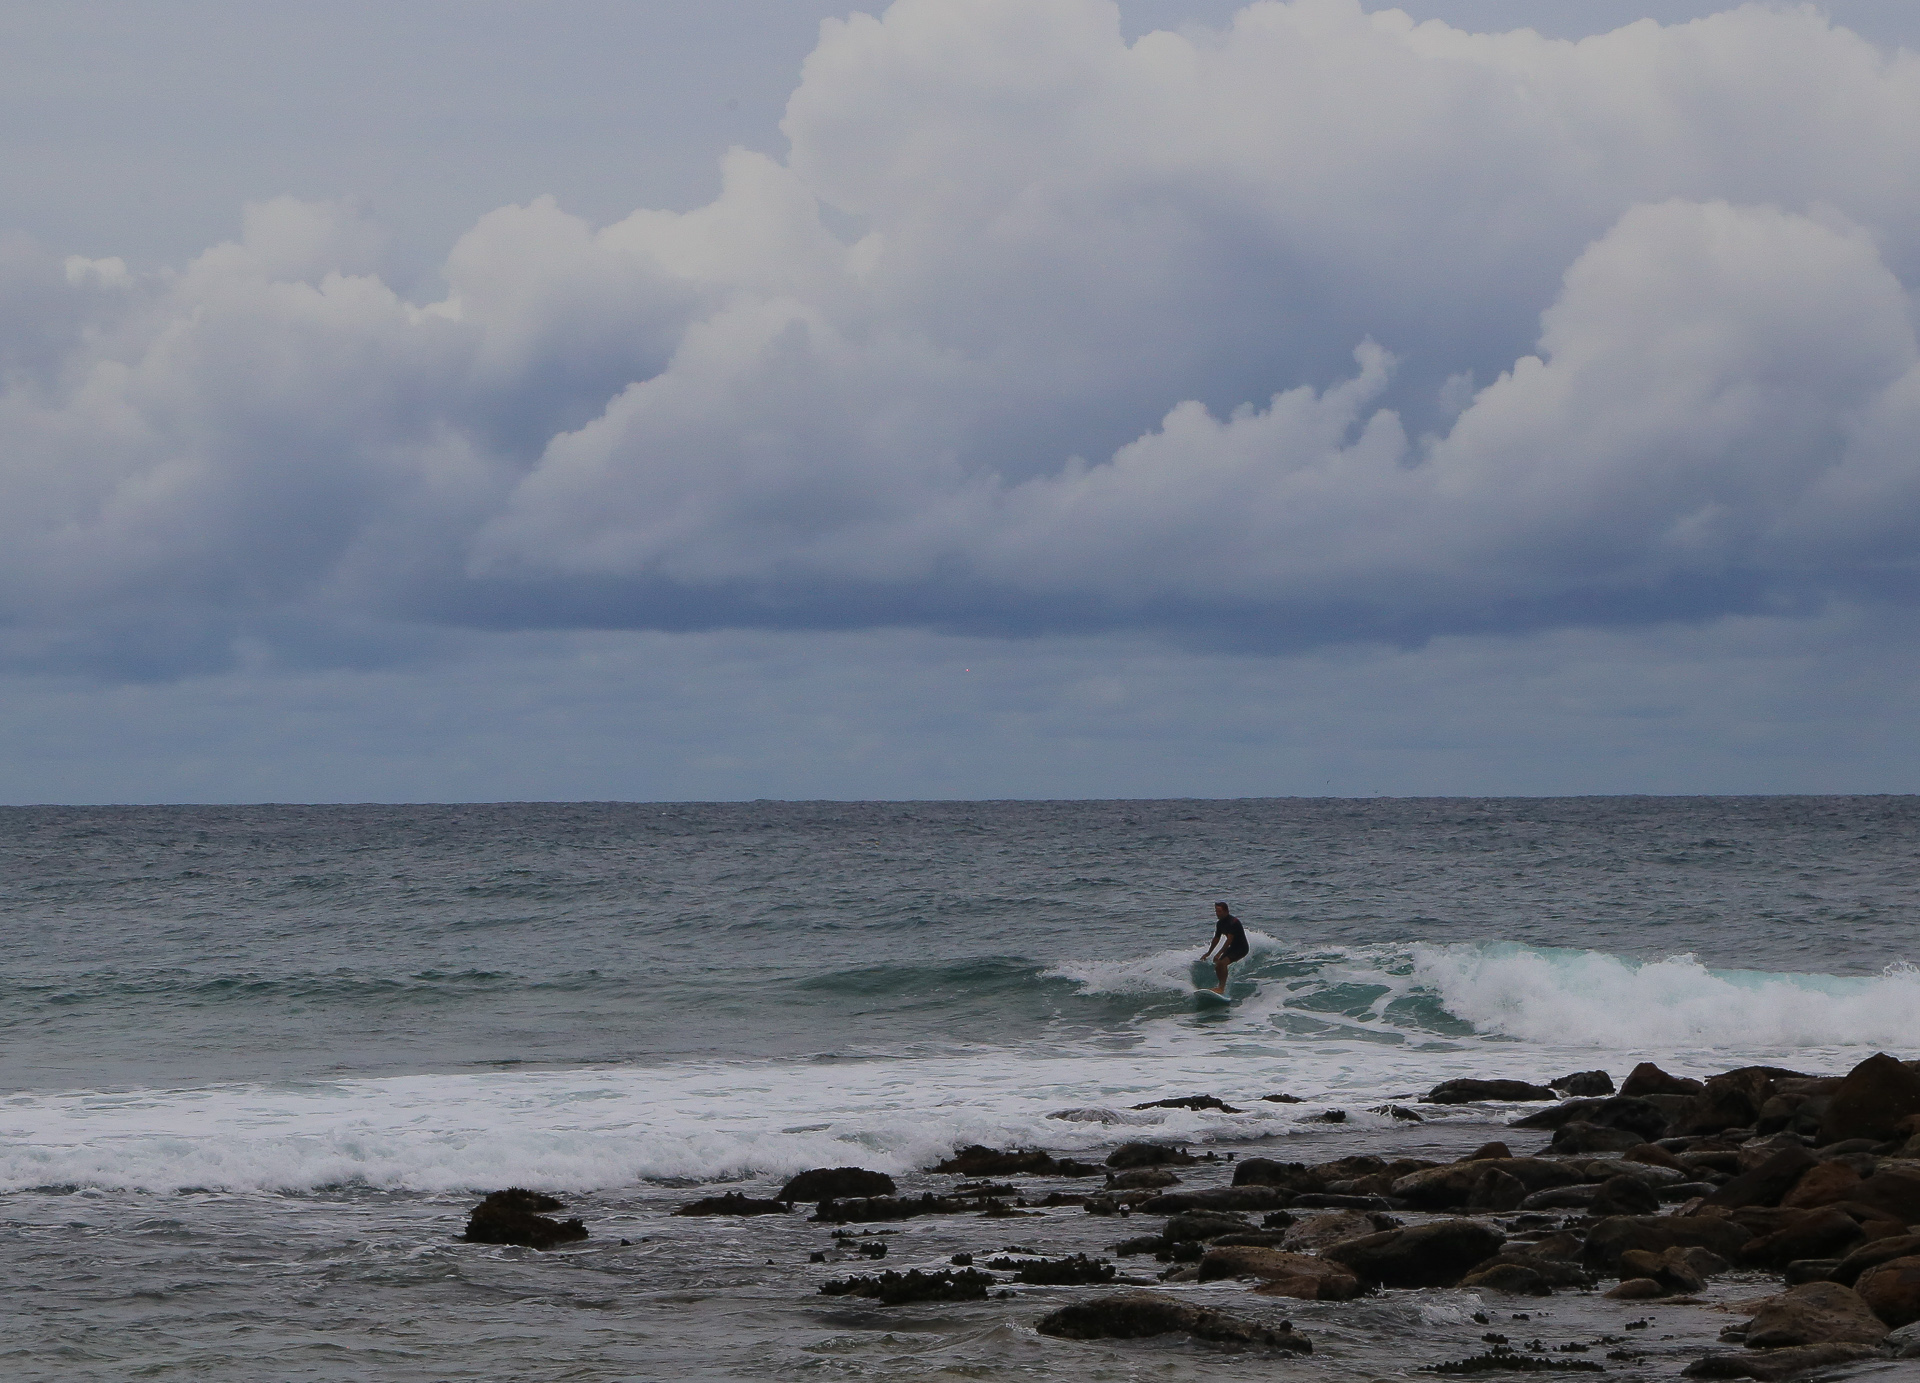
(957, 398)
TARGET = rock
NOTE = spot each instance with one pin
(1637, 1289)
(1904, 1342)
(1074, 1270)
(1584, 1083)
(899, 1289)
(1217, 1198)
(1332, 1281)
(1149, 1155)
(1429, 1255)
(1142, 1179)
(1283, 1099)
(1875, 1096)
(1610, 1238)
(1810, 1270)
(1892, 1290)
(1767, 1183)
(1733, 1099)
(1627, 1112)
(1142, 1315)
(1625, 1195)
(1488, 1152)
(1191, 1102)
(1497, 1191)
(1648, 1079)
(1331, 1201)
(872, 1209)
(1824, 1184)
(733, 1203)
(1893, 1190)
(1580, 1137)
(1329, 1116)
(1653, 1155)
(1319, 1232)
(1469, 1091)
(1778, 1365)
(1295, 1177)
(1512, 1279)
(1552, 1271)
(831, 1183)
(1815, 1313)
(1398, 1111)
(1670, 1269)
(1252, 1238)
(1872, 1254)
(1561, 1198)
(1825, 1233)
(504, 1218)
(1204, 1224)
(976, 1160)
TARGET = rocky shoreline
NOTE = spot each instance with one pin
(1657, 1194)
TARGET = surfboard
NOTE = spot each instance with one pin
(1208, 999)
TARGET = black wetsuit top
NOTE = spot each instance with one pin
(1236, 935)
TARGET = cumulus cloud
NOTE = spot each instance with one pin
(1325, 326)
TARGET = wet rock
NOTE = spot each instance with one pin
(1561, 1198)
(1582, 1137)
(1893, 1190)
(1815, 1313)
(1075, 1270)
(1509, 1279)
(1330, 1281)
(1329, 1116)
(1825, 1233)
(1429, 1255)
(901, 1289)
(1872, 1100)
(1217, 1198)
(1497, 1191)
(1653, 1155)
(1283, 1099)
(1904, 1342)
(1319, 1232)
(1191, 1102)
(1253, 1238)
(1584, 1083)
(1625, 1195)
(1398, 1111)
(1892, 1290)
(1610, 1238)
(1825, 1184)
(831, 1183)
(976, 1160)
(1471, 1091)
(872, 1209)
(1649, 1079)
(1334, 1201)
(1550, 1271)
(1767, 1183)
(508, 1217)
(1673, 1269)
(1142, 1178)
(1295, 1177)
(1149, 1155)
(1734, 1098)
(1204, 1224)
(1779, 1365)
(1637, 1289)
(733, 1203)
(1627, 1112)
(1848, 1270)
(1142, 1315)
(1810, 1270)
(1488, 1152)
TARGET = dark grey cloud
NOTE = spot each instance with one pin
(1324, 327)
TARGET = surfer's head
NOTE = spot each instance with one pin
(1220, 908)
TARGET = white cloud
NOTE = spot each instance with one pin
(1038, 329)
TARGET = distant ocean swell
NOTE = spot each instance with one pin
(1343, 1027)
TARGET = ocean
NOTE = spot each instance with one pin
(258, 1062)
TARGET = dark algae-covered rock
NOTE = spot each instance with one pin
(1143, 1315)
(509, 1217)
(1502, 1359)
(1075, 1270)
(834, 1183)
(902, 1289)
(1430, 1255)
(871, 1209)
(1870, 1103)
(1191, 1102)
(1584, 1083)
(1149, 1155)
(1466, 1091)
(733, 1203)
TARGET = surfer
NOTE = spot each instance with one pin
(1226, 928)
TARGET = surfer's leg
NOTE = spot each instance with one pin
(1220, 965)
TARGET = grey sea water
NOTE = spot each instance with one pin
(258, 1061)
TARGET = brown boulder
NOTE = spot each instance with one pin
(1872, 1254)
(1497, 1191)
(1652, 1155)
(1827, 1184)
(1466, 1091)
(1674, 1270)
(1318, 1232)
(1778, 1365)
(1767, 1183)
(1894, 1191)
(1488, 1150)
(1637, 1289)
(1295, 1177)
(1733, 1099)
(1648, 1079)
(1331, 1281)
(1814, 1313)
(1625, 1195)
(1142, 1315)
(1612, 1237)
(1892, 1291)
(1142, 1179)
(1584, 1083)
(1139, 1155)
(1430, 1255)
(1825, 1233)
(1875, 1096)
(1513, 1279)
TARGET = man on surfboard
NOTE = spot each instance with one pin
(1226, 928)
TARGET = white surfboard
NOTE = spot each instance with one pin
(1209, 999)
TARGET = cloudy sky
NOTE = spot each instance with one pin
(970, 398)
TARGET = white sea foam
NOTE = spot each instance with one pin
(1366, 1026)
